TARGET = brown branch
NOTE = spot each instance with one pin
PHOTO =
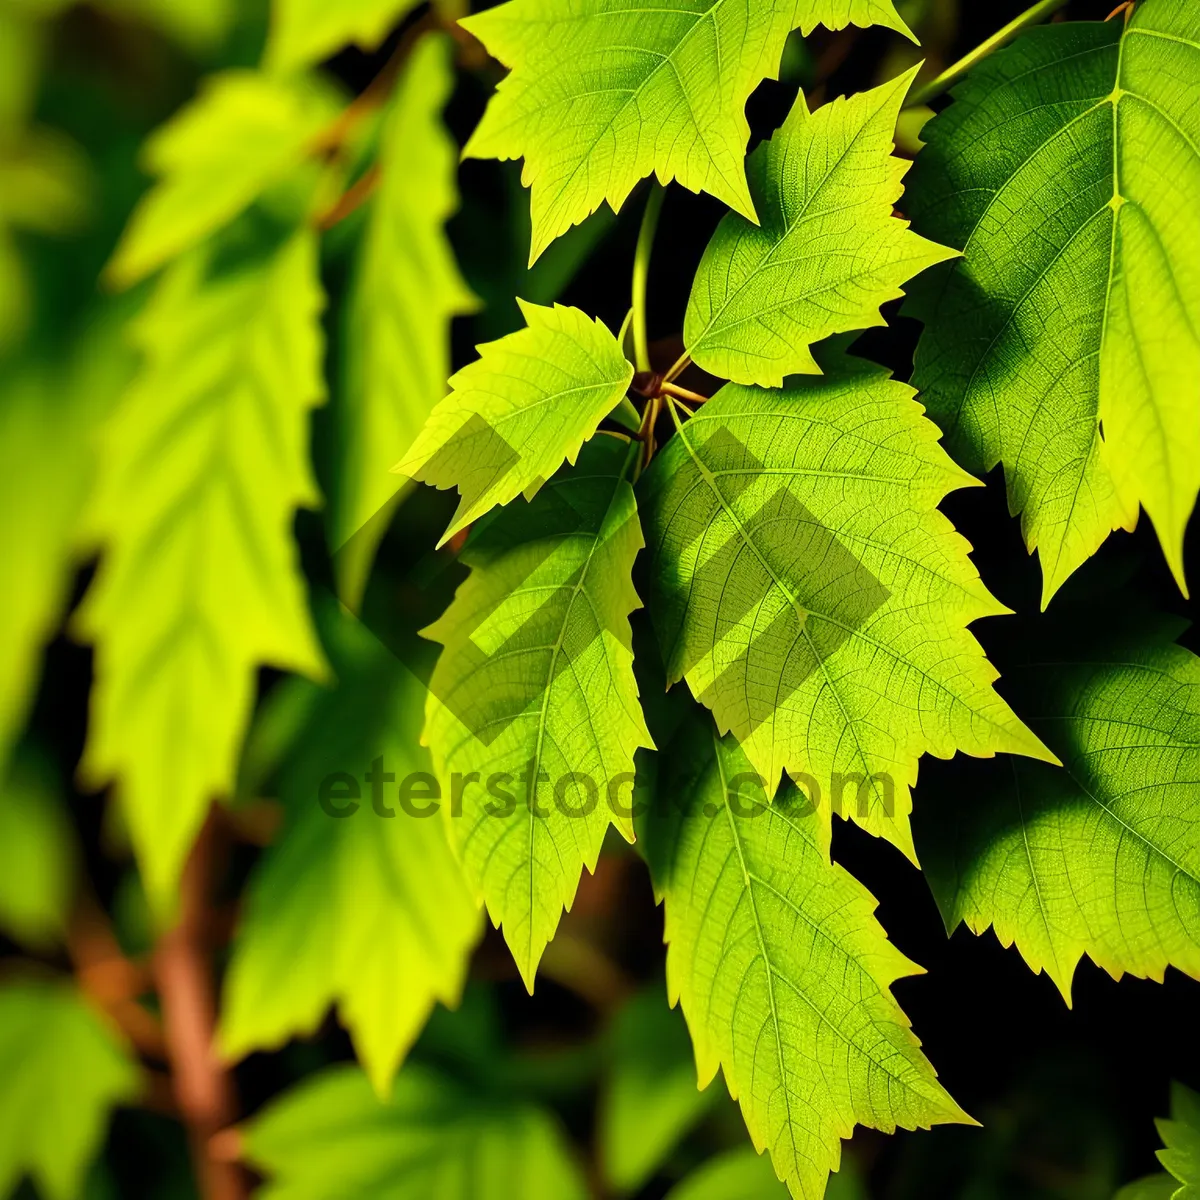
(351, 199)
(203, 1087)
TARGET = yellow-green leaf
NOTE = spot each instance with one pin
(306, 31)
(603, 93)
(203, 466)
(243, 133)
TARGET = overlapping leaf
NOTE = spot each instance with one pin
(62, 1070)
(243, 133)
(406, 291)
(332, 1139)
(814, 598)
(1102, 858)
(529, 402)
(306, 31)
(1066, 343)
(782, 970)
(827, 251)
(204, 464)
(533, 702)
(602, 94)
(367, 911)
(1181, 1155)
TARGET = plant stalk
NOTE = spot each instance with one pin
(641, 272)
(202, 1084)
(952, 74)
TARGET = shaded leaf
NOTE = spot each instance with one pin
(332, 1139)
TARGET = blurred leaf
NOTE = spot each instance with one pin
(22, 48)
(198, 24)
(534, 695)
(407, 289)
(37, 856)
(741, 1174)
(366, 912)
(651, 1098)
(602, 95)
(332, 1139)
(1152, 1187)
(527, 403)
(763, 295)
(1101, 858)
(61, 1072)
(1181, 1139)
(214, 158)
(307, 31)
(48, 417)
(783, 971)
(204, 464)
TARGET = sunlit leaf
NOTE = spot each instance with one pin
(533, 705)
(306, 31)
(783, 972)
(603, 94)
(1066, 343)
(826, 253)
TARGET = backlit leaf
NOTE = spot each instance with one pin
(602, 94)
(306, 31)
(533, 705)
(527, 403)
(782, 970)
(814, 598)
(1102, 858)
(827, 253)
(1066, 342)
(243, 133)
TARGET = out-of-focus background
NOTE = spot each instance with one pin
(1066, 1097)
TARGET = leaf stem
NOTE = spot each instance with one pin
(641, 272)
(952, 74)
(673, 389)
(681, 364)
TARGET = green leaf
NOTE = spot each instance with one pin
(62, 1070)
(48, 417)
(1066, 342)
(406, 291)
(828, 251)
(307, 31)
(213, 159)
(782, 970)
(200, 25)
(650, 1099)
(1153, 1187)
(602, 94)
(1181, 1138)
(332, 1139)
(1103, 857)
(530, 401)
(37, 856)
(533, 706)
(743, 1173)
(814, 598)
(204, 464)
(367, 912)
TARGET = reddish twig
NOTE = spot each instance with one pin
(203, 1087)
